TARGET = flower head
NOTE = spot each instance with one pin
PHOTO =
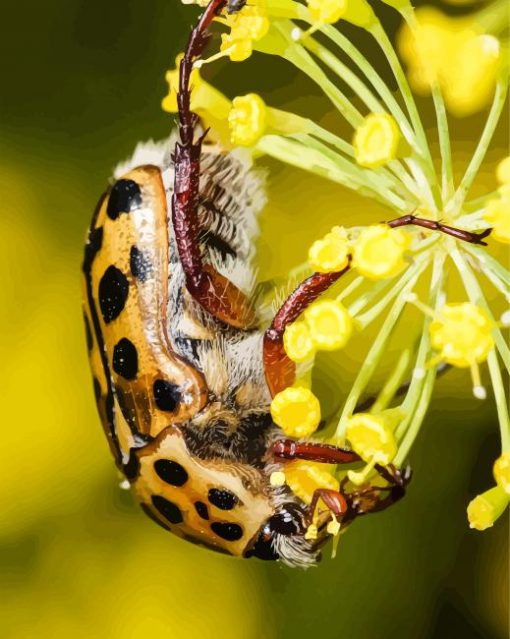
(247, 119)
(298, 342)
(327, 11)
(501, 471)
(297, 411)
(497, 214)
(485, 509)
(371, 436)
(378, 252)
(331, 253)
(305, 477)
(462, 333)
(376, 140)
(329, 323)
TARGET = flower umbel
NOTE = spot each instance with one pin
(384, 155)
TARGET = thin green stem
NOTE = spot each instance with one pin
(373, 357)
(375, 79)
(444, 143)
(393, 382)
(418, 397)
(500, 399)
(426, 159)
(455, 204)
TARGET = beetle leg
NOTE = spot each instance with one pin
(312, 451)
(280, 370)
(333, 499)
(211, 290)
(459, 234)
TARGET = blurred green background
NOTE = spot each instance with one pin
(81, 84)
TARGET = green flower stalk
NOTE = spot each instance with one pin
(387, 157)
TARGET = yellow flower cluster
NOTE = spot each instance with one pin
(326, 326)
(497, 212)
(377, 253)
(455, 54)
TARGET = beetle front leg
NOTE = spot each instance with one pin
(215, 293)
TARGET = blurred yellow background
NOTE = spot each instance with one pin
(81, 84)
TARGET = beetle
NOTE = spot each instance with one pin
(184, 370)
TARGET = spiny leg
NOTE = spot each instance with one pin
(213, 291)
(459, 234)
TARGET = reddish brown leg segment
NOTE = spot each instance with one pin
(334, 501)
(280, 370)
(214, 292)
(459, 234)
(313, 451)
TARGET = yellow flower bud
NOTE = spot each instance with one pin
(376, 140)
(330, 324)
(250, 23)
(327, 11)
(305, 477)
(484, 509)
(298, 342)
(238, 49)
(501, 471)
(503, 171)
(247, 119)
(297, 411)
(497, 214)
(378, 252)
(371, 436)
(462, 333)
(331, 253)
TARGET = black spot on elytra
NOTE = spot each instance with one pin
(113, 293)
(140, 264)
(125, 196)
(168, 509)
(171, 472)
(146, 509)
(166, 395)
(92, 247)
(202, 509)
(227, 530)
(125, 359)
(88, 332)
(222, 498)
